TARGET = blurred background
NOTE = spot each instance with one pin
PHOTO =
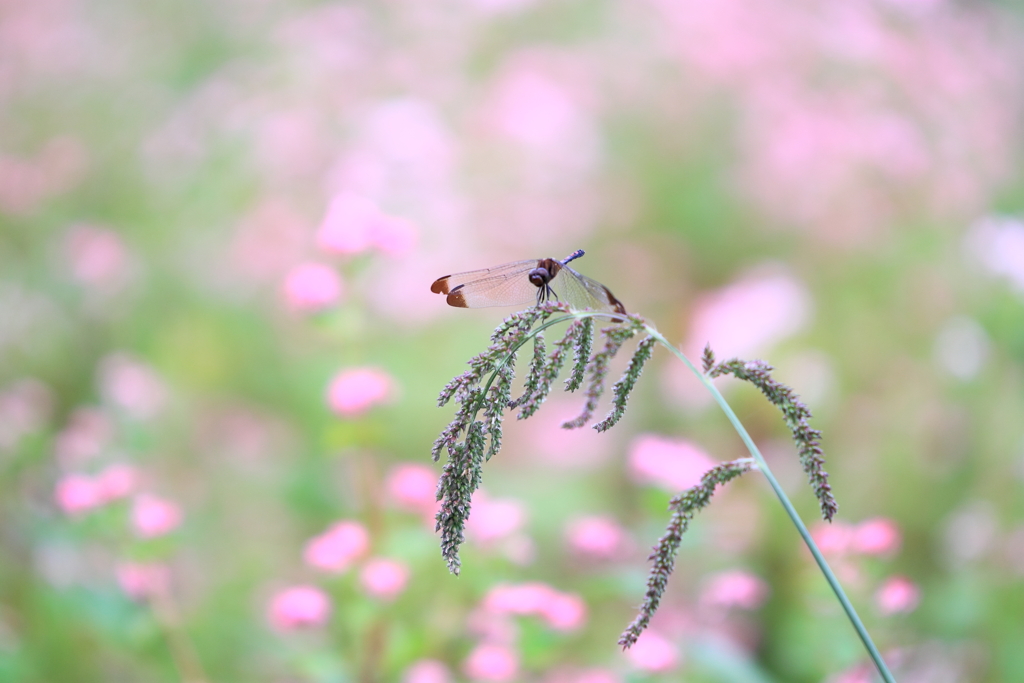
(219, 355)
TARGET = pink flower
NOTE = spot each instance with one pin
(131, 385)
(338, 547)
(354, 391)
(396, 237)
(525, 598)
(493, 519)
(383, 578)
(833, 538)
(533, 109)
(427, 671)
(312, 287)
(413, 487)
(116, 481)
(653, 653)
(735, 589)
(299, 606)
(78, 493)
(354, 224)
(749, 316)
(878, 536)
(897, 595)
(153, 516)
(141, 580)
(596, 676)
(492, 663)
(596, 537)
(861, 673)
(347, 227)
(97, 256)
(562, 611)
(672, 464)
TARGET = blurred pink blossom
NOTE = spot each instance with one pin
(897, 595)
(131, 385)
(299, 606)
(735, 589)
(493, 519)
(25, 183)
(564, 612)
(348, 225)
(653, 653)
(860, 673)
(535, 110)
(834, 538)
(409, 135)
(427, 671)
(848, 159)
(561, 611)
(312, 287)
(337, 548)
(355, 390)
(597, 676)
(524, 598)
(354, 224)
(596, 537)
(395, 237)
(492, 663)
(153, 516)
(748, 317)
(25, 406)
(78, 493)
(413, 487)
(672, 464)
(383, 578)
(877, 536)
(574, 675)
(116, 481)
(97, 256)
(141, 580)
(87, 434)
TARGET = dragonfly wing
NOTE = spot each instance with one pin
(504, 285)
(443, 285)
(579, 291)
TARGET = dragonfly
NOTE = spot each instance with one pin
(526, 282)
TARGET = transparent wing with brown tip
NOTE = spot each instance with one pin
(504, 285)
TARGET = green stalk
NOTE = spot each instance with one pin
(833, 582)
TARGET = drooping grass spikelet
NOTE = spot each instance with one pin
(663, 555)
(584, 344)
(614, 338)
(450, 434)
(796, 415)
(460, 478)
(549, 372)
(474, 393)
(494, 407)
(535, 376)
(624, 386)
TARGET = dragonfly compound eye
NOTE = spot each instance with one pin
(540, 277)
